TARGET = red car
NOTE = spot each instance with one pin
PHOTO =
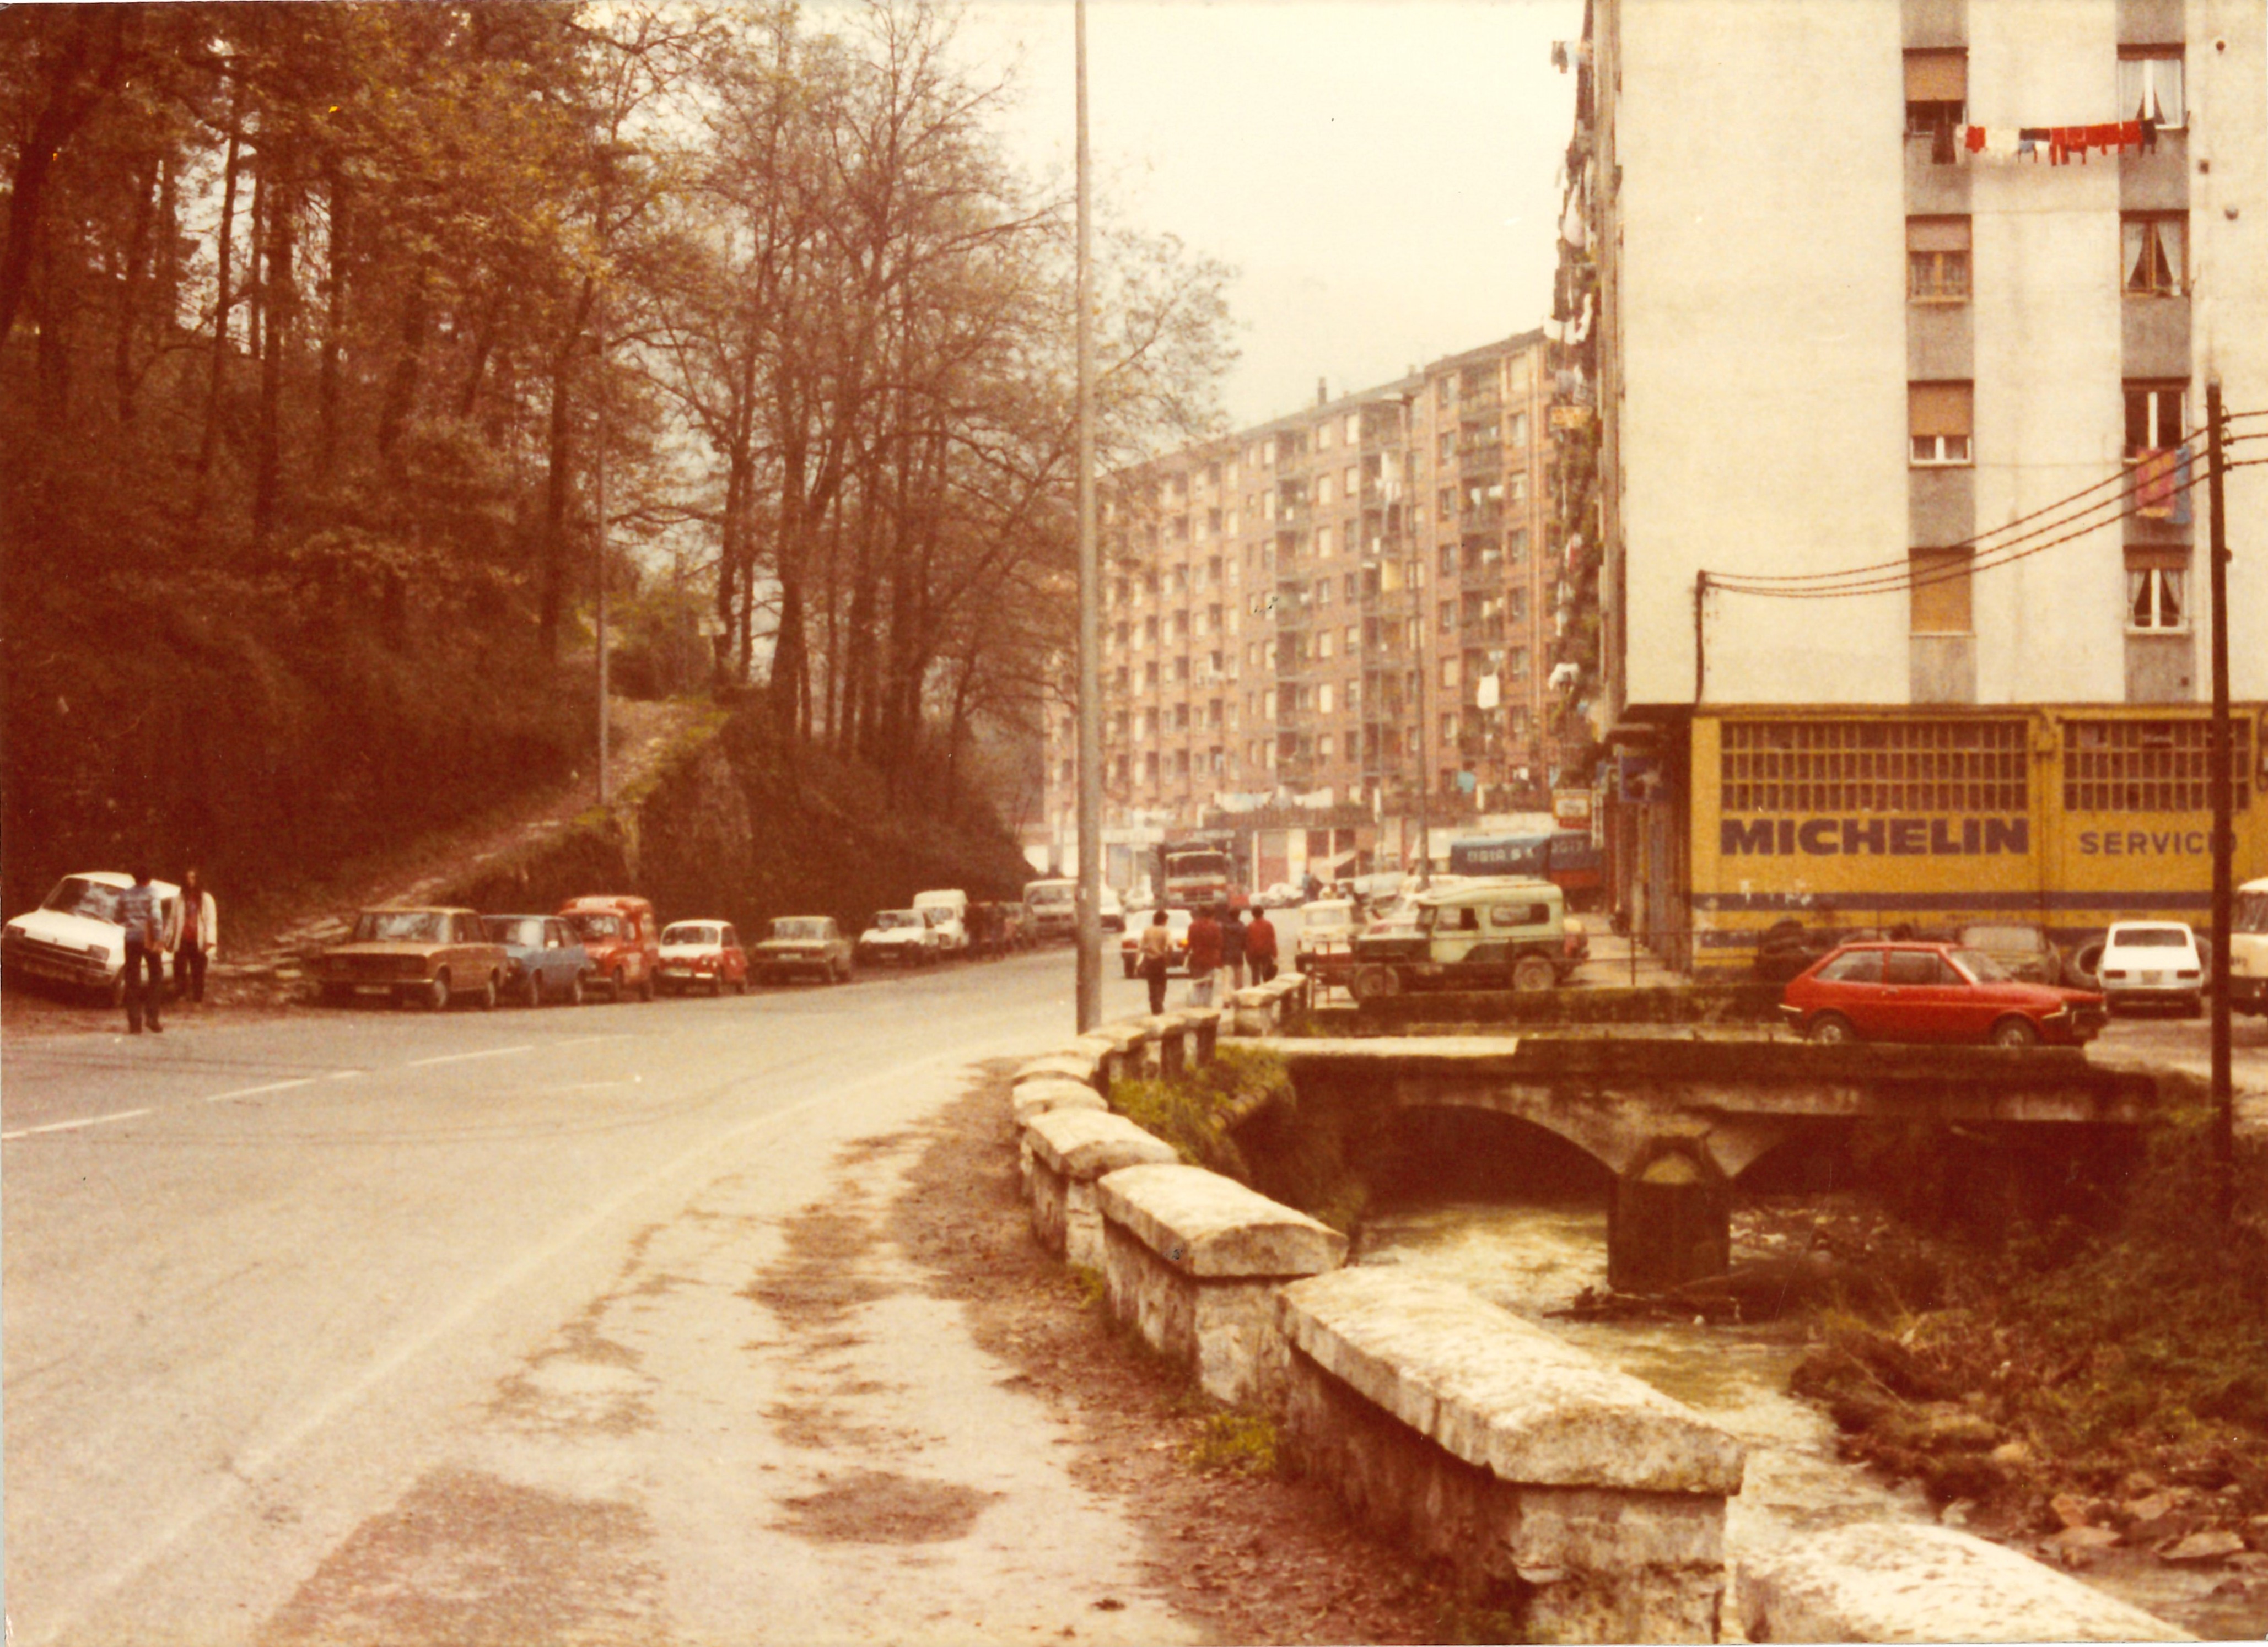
(1933, 992)
(618, 933)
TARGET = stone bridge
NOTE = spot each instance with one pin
(1676, 1121)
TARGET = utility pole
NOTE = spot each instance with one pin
(2224, 1109)
(600, 489)
(1090, 597)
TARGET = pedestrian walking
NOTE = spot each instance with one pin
(1260, 947)
(1204, 957)
(194, 938)
(1154, 958)
(144, 921)
(1231, 948)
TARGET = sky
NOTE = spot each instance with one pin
(1381, 173)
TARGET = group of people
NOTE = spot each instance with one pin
(1222, 941)
(189, 929)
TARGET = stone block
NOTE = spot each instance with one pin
(1883, 1581)
(1058, 1065)
(1486, 1442)
(1038, 1097)
(1068, 1148)
(1204, 1032)
(1124, 1060)
(1255, 1011)
(1192, 1260)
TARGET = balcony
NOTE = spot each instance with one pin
(1482, 571)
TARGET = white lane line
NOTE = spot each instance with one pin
(73, 1126)
(585, 1041)
(255, 1091)
(461, 1057)
(346, 1074)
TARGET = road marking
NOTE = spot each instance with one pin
(585, 1041)
(255, 1091)
(461, 1057)
(72, 1126)
(346, 1074)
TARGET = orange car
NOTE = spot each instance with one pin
(623, 939)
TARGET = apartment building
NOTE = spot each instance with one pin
(1900, 387)
(1328, 617)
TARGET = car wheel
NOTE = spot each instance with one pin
(488, 993)
(2085, 963)
(575, 990)
(1532, 974)
(532, 993)
(437, 993)
(2014, 1034)
(1832, 1029)
(1375, 983)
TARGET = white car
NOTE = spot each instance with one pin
(947, 910)
(2152, 961)
(74, 936)
(902, 937)
(1282, 895)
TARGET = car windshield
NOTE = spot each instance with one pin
(598, 925)
(1326, 917)
(890, 918)
(524, 930)
(2251, 913)
(799, 931)
(74, 894)
(690, 932)
(2008, 939)
(402, 926)
(1042, 895)
(1982, 966)
(2152, 938)
(936, 915)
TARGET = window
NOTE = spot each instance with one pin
(1323, 748)
(1449, 558)
(1449, 672)
(1323, 698)
(1937, 421)
(1940, 583)
(2157, 588)
(1937, 259)
(1323, 537)
(1354, 427)
(1520, 428)
(2150, 85)
(1862, 765)
(2150, 765)
(1323, 490)
(2154, 418)
(1353, 483)
(2153, 255)
(1917, 967)
(1448, 617)
(1860, 966)
(1937, 93)
(1323, 644)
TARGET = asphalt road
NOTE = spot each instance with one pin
(367, 1325)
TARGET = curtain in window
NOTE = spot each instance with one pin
(2150, 88)
(2133, 244)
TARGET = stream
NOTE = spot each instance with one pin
(1534, 1255)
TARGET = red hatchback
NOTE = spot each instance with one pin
(1933, 992)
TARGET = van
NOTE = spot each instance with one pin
(951, 920)
(1485, 935)
(1053, 907)
(2246, 969)
(623, 939)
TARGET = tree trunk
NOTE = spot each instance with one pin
(130, 288)
(334, 305)
(223, 298)
(279, 283)
(559, 482)
(409, 363)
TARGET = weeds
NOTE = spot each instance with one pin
(1238, 1441)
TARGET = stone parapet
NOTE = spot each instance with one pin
(1192, 1260)
(1069, 1066)
(1068, 1150)
(1266, 1008)
(1039, 1097)
(1486, 1441)
(1885, 1581)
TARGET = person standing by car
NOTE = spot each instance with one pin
(1205, 956)
(140, 914)
(195, 936)
(1260, 947)
(1231, 948)
(1154, 955)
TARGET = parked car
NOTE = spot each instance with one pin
(2023, 948)
(74, 938)
(1053, 907)
(804, 945)
(1324, 950)
(1933, 992)
(1282, 895)
(1111, 914)
(2152, 963)
(1177, 924)
(1788, 948)
(947, 928)
(546, 960)
(2247, 972)
(903, 937)
(702, 955)
(622, 936)
(430, 955)
(952, 921)
(1484, 935)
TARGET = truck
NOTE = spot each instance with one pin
(1199, 870)
(1566, 857)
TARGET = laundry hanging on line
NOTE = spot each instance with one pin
(2064, 143)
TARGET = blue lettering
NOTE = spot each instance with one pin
(1869, 832)
(1818, 836)
(1909, 836)
(1734, 837)
(2007, 835)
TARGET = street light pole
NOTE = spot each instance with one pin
(599, 489)
(1089, 904)
(2224, 1110)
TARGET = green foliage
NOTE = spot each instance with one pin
(1195, 1111)
(1239, 1442)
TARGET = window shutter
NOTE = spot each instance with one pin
(1937, 234)
(1937, 77)
(1938, 408)
(1941, 592)
(2157, 557)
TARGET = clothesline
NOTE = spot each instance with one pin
(2061, 144)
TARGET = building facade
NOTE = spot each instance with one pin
(1324, 625)
(1899, 449)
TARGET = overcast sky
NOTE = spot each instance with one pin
(1380, 173)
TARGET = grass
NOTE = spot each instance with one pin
(1238, 1441)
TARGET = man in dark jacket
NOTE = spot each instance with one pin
(1204, 957)
(1231, 948)
(1260, 947)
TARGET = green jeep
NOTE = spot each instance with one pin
(1485, 935)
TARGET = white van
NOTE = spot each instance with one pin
(2247, 969)
(951, 921)
(1053, 906)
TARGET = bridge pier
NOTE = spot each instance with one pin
(1671, 1220)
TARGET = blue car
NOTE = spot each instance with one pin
(547, 959)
